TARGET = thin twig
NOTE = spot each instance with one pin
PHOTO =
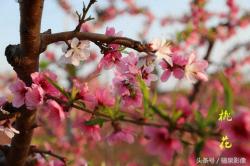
(136, 122)
(95, 38)
(33, 149)
(82, 19)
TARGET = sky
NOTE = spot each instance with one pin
(55, 18)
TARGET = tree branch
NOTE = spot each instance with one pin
(82, 19)
(189, 129)
(11, 111)
(33, 149)
(28, 60)
(94, 37)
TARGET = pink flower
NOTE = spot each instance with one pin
(92, 132)
(122, 135)
(56, 163)
(84, 94)
(128, 65)
(129, 90)
(177, 67)
(163, 50)
(55, 112)
(184, 106)
(34, 96)
(211, 148)
(161, 143)
(19, 90)
(147, 76)
(113, 55)
(109, 59)
(104, 97)
(194, 69)
(239, 150)
(39, 78)
(239, 127)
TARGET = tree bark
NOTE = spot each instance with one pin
(25, 60)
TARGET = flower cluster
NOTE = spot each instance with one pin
(112, 55)
(180, 66)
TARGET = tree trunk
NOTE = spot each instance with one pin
(25, 60)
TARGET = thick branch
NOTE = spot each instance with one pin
(94, 37)
(30, 16)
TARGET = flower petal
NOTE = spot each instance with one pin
(74, 42)
(165, 75)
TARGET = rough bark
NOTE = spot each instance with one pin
(25, 59)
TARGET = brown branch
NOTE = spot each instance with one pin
(27, 56)
(132, 121)
(82, 19)
(33, 149)
(197, 85)
(95, 38)
(12, 111)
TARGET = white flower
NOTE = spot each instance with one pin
(9, 131)
(162, 49)
(79, 51)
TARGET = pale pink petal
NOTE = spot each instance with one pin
(191, 58)
(69, 53)
(202, 76)
(74, 42)
(9, 133)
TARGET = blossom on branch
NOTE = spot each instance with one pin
(79, 52)
(41, 79)
(147, 75)
(161, 143)
(177, 68)
(55, 112)
(19, 90)
(8, 129)
(162, 49)
(34, 96)
(122, 135)
(195, 69)
(113, 55)
(104, 97)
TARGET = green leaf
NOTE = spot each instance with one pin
(199, 120)
(43, 65)
(146, 95)
(228, 94)
(213, 107)
(160, 113)
(96, 121)
(198, 147)
(176, 115)
(58, 87)
(74, 92)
